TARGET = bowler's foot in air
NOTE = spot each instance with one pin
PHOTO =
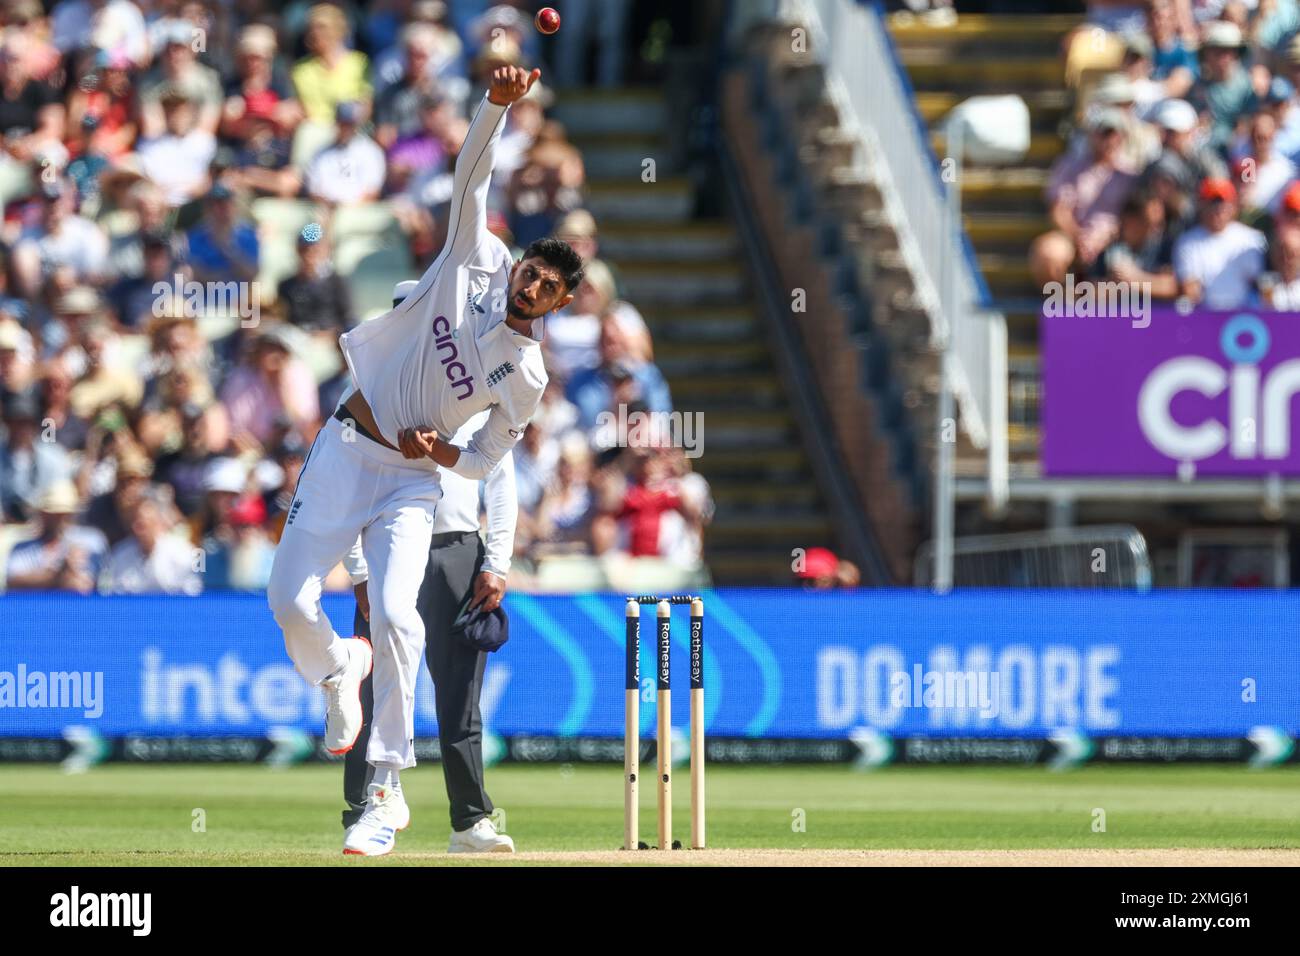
(343, 697)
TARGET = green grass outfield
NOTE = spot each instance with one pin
(138, 814)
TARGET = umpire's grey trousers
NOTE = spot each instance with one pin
(457, 671)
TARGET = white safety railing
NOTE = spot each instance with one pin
(850, 41)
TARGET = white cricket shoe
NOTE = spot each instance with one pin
(376, 832)
(482, 837)
(343, 697)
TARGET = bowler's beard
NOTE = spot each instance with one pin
(514, 312)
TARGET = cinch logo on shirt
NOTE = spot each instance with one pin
(457, 374)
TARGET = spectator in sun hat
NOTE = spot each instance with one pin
(1218, 260)
(1224, 89)
(445, 59)
(1181, 148)
(398, 107)
(1115, 94)
(64, 555)
(178, 71)
(1138, 67)
(1084, 196)
(331, 74)
(17, 357)
(223, 246)
(107, 379)
(259, 90)
(110, 511)
(65, 331)
(352, 168)
(69, 429)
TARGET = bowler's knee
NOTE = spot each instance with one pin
(292, 601)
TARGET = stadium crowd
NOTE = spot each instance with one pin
(1183, 168)
(152, 445)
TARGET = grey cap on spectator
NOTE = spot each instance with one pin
(429, 11)
(1223, 35)
(279, 336)
(257, 38)
(1178, 116)
(59, 498)
(502, 16)
(1106, 119)
(403, 289)
(579, 223)
(79, 300)
(1113, 89)
(11, 336)
(180, 33)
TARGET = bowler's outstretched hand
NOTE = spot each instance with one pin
(510, 83)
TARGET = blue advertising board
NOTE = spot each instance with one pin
(778, 664)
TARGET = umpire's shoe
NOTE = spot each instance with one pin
(482, 837)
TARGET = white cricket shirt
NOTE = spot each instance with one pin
(446, 353)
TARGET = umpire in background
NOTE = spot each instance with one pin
(461, 566)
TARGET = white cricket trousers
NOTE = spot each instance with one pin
(350, 485)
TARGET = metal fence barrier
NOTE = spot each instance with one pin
(1105, 556)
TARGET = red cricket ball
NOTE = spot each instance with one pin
(547, 20)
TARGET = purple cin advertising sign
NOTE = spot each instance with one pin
(1208, 394)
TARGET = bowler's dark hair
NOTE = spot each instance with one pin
(558, 253)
